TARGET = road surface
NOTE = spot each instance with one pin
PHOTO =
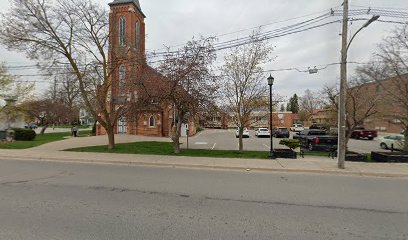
(50, 200)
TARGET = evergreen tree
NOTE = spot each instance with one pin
(295, 104)
(282, 109)
(288, 105)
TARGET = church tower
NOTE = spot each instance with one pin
(126, 45)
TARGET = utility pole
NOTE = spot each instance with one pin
(341, 148)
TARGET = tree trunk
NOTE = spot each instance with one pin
(240, 142)
(406, 138)
(43, 129)
(176, 136)
(111, 137)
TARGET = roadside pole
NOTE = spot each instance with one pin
(343, 88)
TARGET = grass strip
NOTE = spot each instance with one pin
(40, 140)
(166, 148)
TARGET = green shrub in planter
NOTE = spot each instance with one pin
(22, 134)
(290, 143)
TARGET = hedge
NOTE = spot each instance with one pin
(22, 134)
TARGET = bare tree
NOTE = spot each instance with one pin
(389, 69)
(360, 105)
(73, 33)
(65, 88)
(189, 83)
(308, 103)
(244, 85)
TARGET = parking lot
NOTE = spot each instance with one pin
(220, 139)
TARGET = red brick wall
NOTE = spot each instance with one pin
(281, 119)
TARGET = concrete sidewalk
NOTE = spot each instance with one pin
(309, 164)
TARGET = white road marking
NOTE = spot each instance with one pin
(201, 143)
(267, 147)
(213, 146)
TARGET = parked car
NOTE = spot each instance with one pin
(281, 132)
(262, 132)
(392, 141)
(318, 126)
(316, 140)
(297, 128)
(361, 132)
(245, 133)
(30, 125)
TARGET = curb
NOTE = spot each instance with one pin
(198, 166)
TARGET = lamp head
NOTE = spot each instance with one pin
(270, 80)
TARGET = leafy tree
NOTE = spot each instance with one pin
(49, 112)
(189, 84)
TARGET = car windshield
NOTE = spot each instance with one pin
(263, 129)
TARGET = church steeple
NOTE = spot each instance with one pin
(126, 2)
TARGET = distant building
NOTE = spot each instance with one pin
(85, 118)
(390, 111)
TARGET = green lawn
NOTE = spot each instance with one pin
(40, 140)
(166, 148)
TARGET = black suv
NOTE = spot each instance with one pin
(318, 126)
(281, 132)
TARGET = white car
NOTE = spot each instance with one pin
(392, 141)
(245, 133)
(297, 128)
(262, 132)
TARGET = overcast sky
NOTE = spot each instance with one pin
(177, 21)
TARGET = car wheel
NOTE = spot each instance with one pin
(383, 146)
(370, 138)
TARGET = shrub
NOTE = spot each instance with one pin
(290, 143)
(22, 134)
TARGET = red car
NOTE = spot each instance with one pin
(361, 133)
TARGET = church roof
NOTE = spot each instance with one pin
(123, 2)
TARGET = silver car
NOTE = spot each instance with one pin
(392, 141)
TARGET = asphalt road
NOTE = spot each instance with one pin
(49, 200)
(220, 139)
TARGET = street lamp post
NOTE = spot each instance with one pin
(270, 83)
(341, 156)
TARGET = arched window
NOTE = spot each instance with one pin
(122, 31)
(151, 121)
(122, 80)
(137, 31)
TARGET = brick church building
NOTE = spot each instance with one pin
(127, 55)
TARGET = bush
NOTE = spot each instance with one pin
(22, 134)
(290, 143)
